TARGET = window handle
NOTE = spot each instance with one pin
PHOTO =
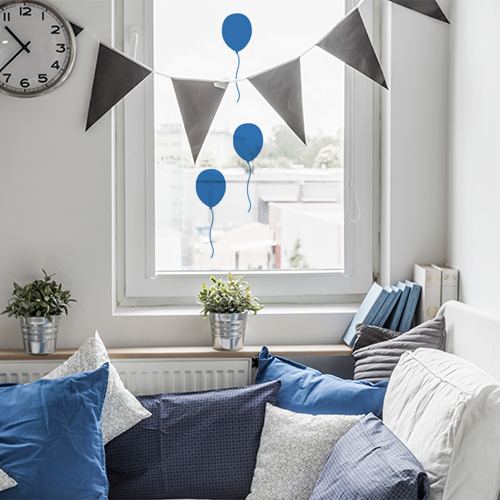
(134, 42)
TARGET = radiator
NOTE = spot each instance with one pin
(150, 376)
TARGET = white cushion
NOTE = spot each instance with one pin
(121, 409)
(447, 412)
(6, 482)
(294, 448)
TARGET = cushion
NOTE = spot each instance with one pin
(447, 412)
(305, 390)
(6, 482)
(195, 445)
(294, 448)
(51, 437)
(121, 409)
(369, 463)
(377, 350)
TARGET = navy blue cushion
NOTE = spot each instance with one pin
(370, 463)
(305, 390)
(51, 437)
(195, 445)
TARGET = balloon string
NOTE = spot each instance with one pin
(237, 69)
(248, 182)
(211, 232)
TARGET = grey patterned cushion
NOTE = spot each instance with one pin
(121, 409)
(6, 482)
(377, 350)
(371, 463)
(294, 448)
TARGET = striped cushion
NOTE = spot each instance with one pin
(377, 350)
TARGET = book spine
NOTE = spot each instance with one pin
(388, 307)
(411, 305)
(449, 285)
(429, 278)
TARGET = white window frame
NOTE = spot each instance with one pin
(138, 285)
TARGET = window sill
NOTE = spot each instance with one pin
(270, 310)
(187, 352)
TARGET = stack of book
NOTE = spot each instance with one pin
(391, 307)
(439, 284)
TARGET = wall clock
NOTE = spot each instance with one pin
(37, 48)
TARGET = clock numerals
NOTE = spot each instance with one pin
(34, 62)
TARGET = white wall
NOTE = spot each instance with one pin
(474, 182)
(414, 147)
(57, 183)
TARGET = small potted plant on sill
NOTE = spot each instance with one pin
(227, 303)
(39, 306)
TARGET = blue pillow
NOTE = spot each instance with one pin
(51, 437)
(195, 445)
(369, 462)
(305, 390)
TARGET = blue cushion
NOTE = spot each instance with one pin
(195, 445)
(51, 437)
(370, 463)
(305, 390)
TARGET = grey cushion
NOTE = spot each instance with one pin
(370, 463)
(377, 350)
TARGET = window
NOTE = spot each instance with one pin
(299, 242)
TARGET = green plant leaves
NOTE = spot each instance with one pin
(230, 297)
(40, 298)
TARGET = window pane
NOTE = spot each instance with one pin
(297, 215)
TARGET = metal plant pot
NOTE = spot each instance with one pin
(228, 331)
(39, 334)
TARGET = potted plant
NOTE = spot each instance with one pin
(227, 303)
(39, 305)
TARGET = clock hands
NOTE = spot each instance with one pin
(24, 47)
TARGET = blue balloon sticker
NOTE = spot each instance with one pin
(210, 188)
(237, 31)
(248, 141)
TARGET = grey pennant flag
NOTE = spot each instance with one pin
(281, 87)
(114, 77)
(198, 101)
(349, 42)
(428, 7)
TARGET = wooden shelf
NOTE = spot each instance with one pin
(188, 352)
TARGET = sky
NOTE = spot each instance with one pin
(189, 44)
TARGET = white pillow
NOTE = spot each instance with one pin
(294, 448)
(121, 410)
(447, 412)
(6, 482)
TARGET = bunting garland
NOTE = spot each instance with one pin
(281, 86)
(198, 102)
(427, 7)
(114, 77)
(349, 42)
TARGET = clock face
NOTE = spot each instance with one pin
(37, 48)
